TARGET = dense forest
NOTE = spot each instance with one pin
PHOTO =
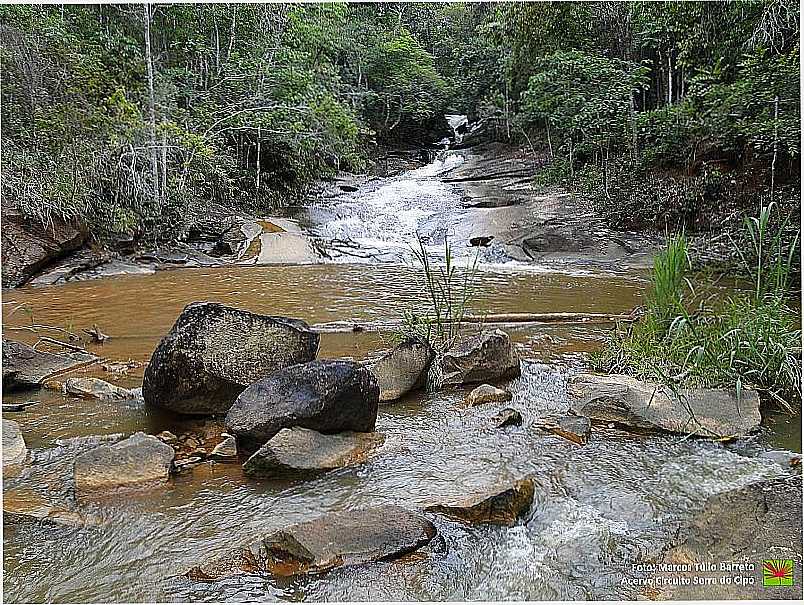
(136, 117)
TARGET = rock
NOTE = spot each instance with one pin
(299, 450)
(481, 241)
(95, 388)
(25, 367)
(326, 396)
(167, 437)
(213, 352)
(704, 412)
(757, 522)
(236, 239)
(786, 459)
(501, 505)
(137, 462)
(487, 393)
(28, 247)
(21, 507)
(403, 369)
(350, 537)
(488, 356)
(225, 450)
(507, 417)
(14, 449)
(577, 429)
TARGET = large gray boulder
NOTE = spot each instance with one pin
(24, 367)
(14, 449)
(499, 505)
(486, 357)
(625, 400)
(403, 369)
(350, 537)
(326, 396)
(746, 525)
(140, 461)
(299, 450)
(213, 352)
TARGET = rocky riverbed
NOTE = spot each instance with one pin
(244, 450)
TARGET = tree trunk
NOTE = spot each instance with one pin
(146, 13)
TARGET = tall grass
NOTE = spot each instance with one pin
(448, 291)
(747, 340)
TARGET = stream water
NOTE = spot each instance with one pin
(598, 508)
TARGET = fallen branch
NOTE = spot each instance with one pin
(60, 343)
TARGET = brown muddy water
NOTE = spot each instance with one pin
(598, 509)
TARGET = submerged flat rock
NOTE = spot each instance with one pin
(625, 400)
(137, 462)
(24, 367)
(299, 450)
(350, 537)
(501, 505)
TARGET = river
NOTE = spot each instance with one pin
(599, 507)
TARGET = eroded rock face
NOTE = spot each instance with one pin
(704, 412)
(325, 396)
(403, 369)
(24, 367)
(350, 537)
(487, 393)
(299, 450)
(137, 462)
(501, 505)
(486, 357)
(750, 524)
(28, 247)
(14, 449)
(95, 388)
(213, 352)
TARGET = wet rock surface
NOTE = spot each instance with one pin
(748, 525)
(299, 450)
(507, 417)
(351, 537)
(14, 449)
(325, 396)
(573, 428)
(213, 352)
(487, 356)
(403, 369)
(24, 367)
(22, 507)
(140, 461)
(95, 388)
(487, 393)
(502, 505)
(28, 247)
(625, 400)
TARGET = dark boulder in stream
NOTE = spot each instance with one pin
(24, 367)
(213, 352)
(325, 396)
(486, 357)
(303, 451)
(349, 537)
(713, 413)
(403, 369)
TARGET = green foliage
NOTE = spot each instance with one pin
(744, 341)
(448, 291)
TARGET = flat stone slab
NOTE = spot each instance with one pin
(24, 367)
(713, 413)
(350, 537)
(751, 524)
(501, 505)
(14, 449)
(95, 388)
(137, 462)
(22, 507)
(304, 450)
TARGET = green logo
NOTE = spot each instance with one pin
(777, 572)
